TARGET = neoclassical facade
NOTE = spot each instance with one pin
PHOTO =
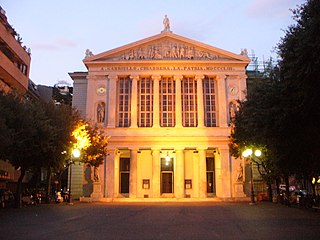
(166, 103)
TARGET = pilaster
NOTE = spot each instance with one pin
(134, 102)
(112, 93)
(178, 101)
(222, 101)
(133, 174)
(156, 173)
(202, 173)
(200, 101)
(223, 176)
(243, 86)
(156, 103)
(179, 174)
(116, 178)
(109, 174)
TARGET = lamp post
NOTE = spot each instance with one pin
(248, 153)
(74, 154)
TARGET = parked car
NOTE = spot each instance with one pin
(283, 187)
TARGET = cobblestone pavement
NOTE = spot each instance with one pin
(205, 220)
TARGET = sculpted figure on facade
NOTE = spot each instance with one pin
(233, 108)
(88, 53)
(96, 177)
(168, 50)
(100, 112)
(166, 23)
(240, 173)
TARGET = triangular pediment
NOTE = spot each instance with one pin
(166, 46)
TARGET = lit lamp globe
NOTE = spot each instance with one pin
(257, 153)
(247, 152)
(76, 153)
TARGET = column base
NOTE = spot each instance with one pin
(96, 194)
(238, 190)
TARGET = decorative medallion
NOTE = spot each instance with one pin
(233, 90)
(101, 90)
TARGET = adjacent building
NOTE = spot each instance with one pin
(14, 58)
(166, 102)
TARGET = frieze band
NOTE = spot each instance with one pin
(167, 68)
(168, 50)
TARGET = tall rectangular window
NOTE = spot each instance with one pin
(209, 102)
(167, 94)
(124, 101)
(145, 102)
(189, 102)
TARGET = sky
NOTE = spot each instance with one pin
(59, 32)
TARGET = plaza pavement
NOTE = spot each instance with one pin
(170, 220)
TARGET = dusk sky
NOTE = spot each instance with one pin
(58, 32)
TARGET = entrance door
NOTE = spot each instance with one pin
(124, 175)
(211, 190)
(166, 175)
(166, 182)
(210, 182)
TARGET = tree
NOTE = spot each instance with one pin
(29, 130)
(63, 119)
(96, 152)
(93, 142)
(255, 124)
(281, 114)
(34, 134)
(300, 76)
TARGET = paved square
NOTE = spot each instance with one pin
(159, 221)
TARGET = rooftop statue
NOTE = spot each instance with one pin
(166, 24)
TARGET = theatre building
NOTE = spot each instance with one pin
(166, 103)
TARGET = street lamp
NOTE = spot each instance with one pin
(74, 154)
(248, 153)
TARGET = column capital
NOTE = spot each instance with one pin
(199, 77)
(179, 150)
(177, 77)
(155, 151)
(113, 77)
(221, 76)
(242, 76)
(134, 77)
(156, 77)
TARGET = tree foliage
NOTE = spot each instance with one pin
(93, 143)
(281, 113)
(300, 78)
(34, 134)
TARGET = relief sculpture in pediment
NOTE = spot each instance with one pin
(167, 50)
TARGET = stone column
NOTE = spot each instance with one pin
(112, 108)
(222, 101)
(178, 101)
(156, 101)
(91, 90)
(134, 102)
(202, 173)
(156, 173)
(110, 174)
(223, 175)
(133, 174)
(200, 101)
(196, 176)
(243, 86)
(179, 174)
(116, 179)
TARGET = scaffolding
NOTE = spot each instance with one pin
(259, 68)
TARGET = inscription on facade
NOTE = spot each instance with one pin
(168, 68)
